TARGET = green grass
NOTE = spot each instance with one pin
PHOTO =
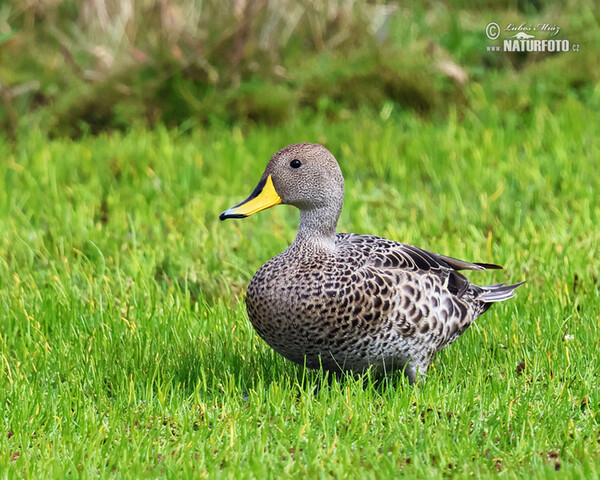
(125, 349)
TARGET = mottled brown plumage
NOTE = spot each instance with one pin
(347, 302)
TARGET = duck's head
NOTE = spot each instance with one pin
(305, 175)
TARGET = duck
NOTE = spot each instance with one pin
(345, 302)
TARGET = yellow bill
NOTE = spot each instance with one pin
(263, 196)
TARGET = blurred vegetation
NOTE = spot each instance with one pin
(77, 66)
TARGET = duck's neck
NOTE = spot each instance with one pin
(317, 227)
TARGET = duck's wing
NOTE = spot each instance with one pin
(389, 255)
(457, 264)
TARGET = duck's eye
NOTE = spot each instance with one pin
(295, 163)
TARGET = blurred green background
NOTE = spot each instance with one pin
(125, 348)
(71, 67)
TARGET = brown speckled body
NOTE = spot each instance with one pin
(369, 302)
(347, 302)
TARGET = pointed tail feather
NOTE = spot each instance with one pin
(498, 292)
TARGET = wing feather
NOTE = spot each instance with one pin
(383, 253)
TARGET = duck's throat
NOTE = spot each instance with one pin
(318, 225)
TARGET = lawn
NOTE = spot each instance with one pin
(126, 352)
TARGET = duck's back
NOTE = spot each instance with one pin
(367, 302)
